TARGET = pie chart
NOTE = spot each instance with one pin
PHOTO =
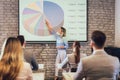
(34, 15)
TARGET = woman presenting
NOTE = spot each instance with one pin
(61, 44)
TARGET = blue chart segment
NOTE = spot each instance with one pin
(34, 15)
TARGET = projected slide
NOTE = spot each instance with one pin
(68, 13)
(33, 17)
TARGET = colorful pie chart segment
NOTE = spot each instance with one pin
(34, 17)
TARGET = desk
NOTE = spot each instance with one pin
(69, 76)
(40, 73)
(39, 76)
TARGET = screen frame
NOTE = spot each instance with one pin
(29, 42)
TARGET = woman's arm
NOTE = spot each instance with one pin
(49, 26)
(34, 62)
(63, 63)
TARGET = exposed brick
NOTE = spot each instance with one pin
(100, 17)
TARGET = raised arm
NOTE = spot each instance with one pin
(49, 26)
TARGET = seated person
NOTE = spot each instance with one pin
(99, 65)
(12, 65)
(29, 57)
(114, 51)
(74, 58)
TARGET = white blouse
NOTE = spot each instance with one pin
(71, 59)
(25, 73)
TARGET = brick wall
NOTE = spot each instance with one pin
(117, 23)
(100, 17)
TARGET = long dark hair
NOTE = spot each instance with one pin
(77, 51)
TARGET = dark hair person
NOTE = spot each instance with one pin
(74, 58)
(76, 51)
(29, 56)
(99, 65)
(98, 38)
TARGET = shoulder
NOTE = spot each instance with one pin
(25, 72)
(26, 68)
(26, 64)
(70, 55)
(113, 57)
(88, 58)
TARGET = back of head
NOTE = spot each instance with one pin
(77, 43)
(21, 38)
(11, 60)
(98, 38)
(64, 31)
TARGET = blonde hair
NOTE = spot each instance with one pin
(12, 59)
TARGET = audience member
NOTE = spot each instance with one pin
(12, 65)
(114, 51)
(99, 65)
(61, 45)
(29, 57)
(74, 58)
